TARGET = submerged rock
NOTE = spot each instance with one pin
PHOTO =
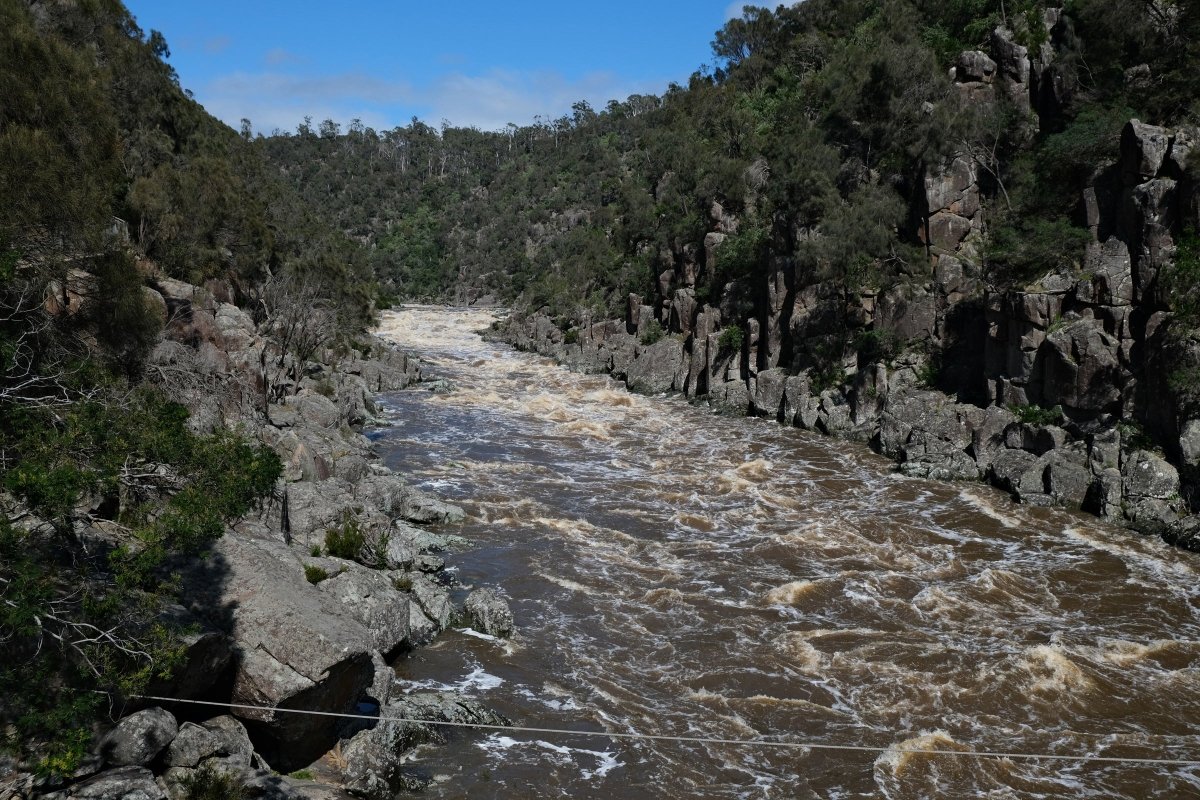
(374, 758)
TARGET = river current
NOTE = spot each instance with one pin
(677, 572)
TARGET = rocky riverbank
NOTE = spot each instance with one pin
(1074, 389)
(1112, 470)
(303, 606)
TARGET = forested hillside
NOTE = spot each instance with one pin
(811, 135)
(113, 182)
(860, 201)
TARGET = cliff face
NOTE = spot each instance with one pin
(1063, 390)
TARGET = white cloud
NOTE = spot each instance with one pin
(487, 101)
(277, 100)
(735, 8)
(492, 100)
(217, 44)
(278, 55)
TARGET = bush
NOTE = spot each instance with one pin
(730, 340)
(1037, 415)
(876, 345)
(345, 542)
(315, 574)
(654, 332)
(209, 783)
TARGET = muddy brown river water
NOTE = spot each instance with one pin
(677, 572)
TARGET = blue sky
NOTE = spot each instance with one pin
(473, 63)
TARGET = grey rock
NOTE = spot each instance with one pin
(428, 562)
(139, 738)
(370, 598)
(421, 628)
(930, 435)
(1149, 476)
(433, 599)
(974, 66)
(193, 744)
(400, 550)
(1104, 496)
(1067, 477)
(375, 757)
(1143, 149)
(489, 612)
(1184, 533)
(1081, 367)
(126, 783)
(653, 369)
(732, 396)
(385, 677)
(1012, 470)
(1109, 275)
(1189, 442)
(315, 409)
(299, 647)
(233, 742)
(769, 390)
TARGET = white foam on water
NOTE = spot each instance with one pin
(566, 583)
(478, 679)
(507, 645)
(605, 761)
(984, 506)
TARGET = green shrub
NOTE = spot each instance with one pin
(315, 574)
(1037, 415)
(929, 374)
(345, 542)
(571, 336)
(1135, 437)
(1182, 280)
(876, 345)
(315, 551)
(654, 332)
(326, 388)
(403, 582)
(730, 340)
(209, 783)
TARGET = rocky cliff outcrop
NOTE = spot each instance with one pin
(1059, 390)
(299, 606)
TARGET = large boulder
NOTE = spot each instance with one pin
(929, 434)
(653, 370)
(126, 783)
(1081, 368)
(433, 598)
(489, 612)
(139, 738)
(1151, 489)
(374, 758)
(1143, 150)
(371, 599)
(298, 647)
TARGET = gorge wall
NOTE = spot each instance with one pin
(1070, 389)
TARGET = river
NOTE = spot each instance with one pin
(673, 571)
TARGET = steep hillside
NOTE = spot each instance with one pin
(994, 199)
(114, 184)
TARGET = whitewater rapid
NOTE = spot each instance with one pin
(681, 573)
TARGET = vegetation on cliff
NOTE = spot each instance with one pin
(813, 130)
(112, 178)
